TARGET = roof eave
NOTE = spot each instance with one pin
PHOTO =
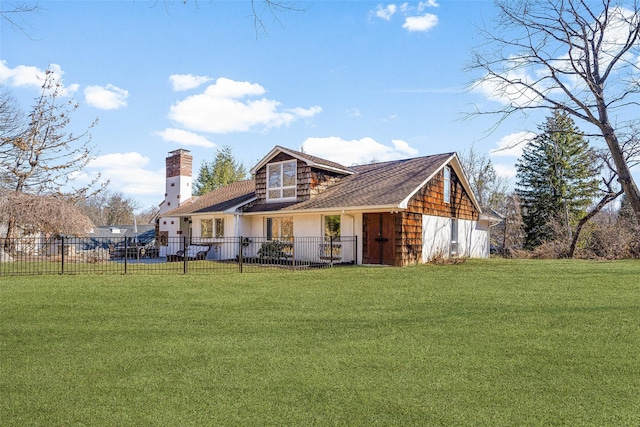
(279, 149)
(379, 208)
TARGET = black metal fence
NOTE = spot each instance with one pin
(76, 255)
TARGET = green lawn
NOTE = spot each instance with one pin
(485, 343)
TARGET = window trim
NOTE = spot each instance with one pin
(216, 222)
(455, 236)
(446, 184)
(268, 225)
(324, 226)
(202, 228)
(282, 187)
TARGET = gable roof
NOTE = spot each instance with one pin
(310, 160)
(386, 185)
(223, 199)
(378, 185)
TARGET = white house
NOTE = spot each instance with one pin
(396, 213)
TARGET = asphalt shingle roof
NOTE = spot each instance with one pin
(377, 184)
(218, 200)
(372, 185)
(317, 160)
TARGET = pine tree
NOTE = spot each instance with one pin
(223, 170)
(557, 179)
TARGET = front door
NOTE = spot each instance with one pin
(380, 231)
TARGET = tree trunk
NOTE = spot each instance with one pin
(601, 204)
(622, 168)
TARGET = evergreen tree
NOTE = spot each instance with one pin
(223, 170)
(557, 179)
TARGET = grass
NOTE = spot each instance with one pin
(483, 343)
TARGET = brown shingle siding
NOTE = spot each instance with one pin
(429, 200)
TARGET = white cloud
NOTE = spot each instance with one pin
(511, 145)
(505, 170)
(386, 12)
(429, 3)
(181, 82)
(127, 174)
(107, 97)
(21, 75)
(511, 88)
(358, 151)
(354, 112)
(420, 23)
(31, 76)
(403, 147)
(223, 108)
(183, 137)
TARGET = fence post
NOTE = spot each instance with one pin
(126, 253)
(293, 253)
(240, 259)
(355, 249)
(62, 253)
(185, 261)
(331, 250)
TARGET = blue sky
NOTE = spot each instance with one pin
(351, 81)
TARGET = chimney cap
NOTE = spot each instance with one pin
(179, 151)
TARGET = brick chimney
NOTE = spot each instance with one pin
(178, 184)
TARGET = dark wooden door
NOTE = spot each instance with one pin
(380, 238)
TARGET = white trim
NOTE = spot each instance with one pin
(457, 168)
(282, 187)
(277, 149)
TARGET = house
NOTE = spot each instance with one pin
(395, 213)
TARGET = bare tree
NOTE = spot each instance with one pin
(14, 13)
(608, 194)
(261, 10)
(578, 56)
(40, 157)
(43, 157)
(489, 188)
(148, 215)
(60, 216)
(106, 208)
(512, 226)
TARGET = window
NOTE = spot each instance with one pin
(447, 184)
(454, 236)
(279, 228)
(206, 228)
(332, 226)
(209, 228)
(281, 180)
(219, 227)
(331, 249)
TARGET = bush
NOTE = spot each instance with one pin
(273, 249)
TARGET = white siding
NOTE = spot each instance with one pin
(473, 238)
(436, 236)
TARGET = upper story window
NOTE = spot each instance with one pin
(447, 184)
(281, 180)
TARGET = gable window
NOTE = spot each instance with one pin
(447, 184)
(219, 227)
(281, 180)
(206, 228)
(279, 227)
